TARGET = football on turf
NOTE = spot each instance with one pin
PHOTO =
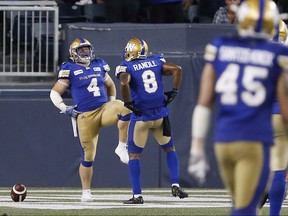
(18, 192)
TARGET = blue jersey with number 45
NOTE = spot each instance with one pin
(86, 83)
(146, 86)
(246, 70)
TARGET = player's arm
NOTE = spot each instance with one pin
(125, 79)
(198, 165)
(175, 71)
(55, 94)
(202, 111)
(125, 88)
(110, 87)
(282, 96)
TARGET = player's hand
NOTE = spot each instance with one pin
(198, 168)
(71, 111)
(130, 105)
(170, 96)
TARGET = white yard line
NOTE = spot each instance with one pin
(108, 199)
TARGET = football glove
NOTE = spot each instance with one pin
(71, 111)
(170, 95)
(130, 105)
(198, 167)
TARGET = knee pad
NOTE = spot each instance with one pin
(168, 145)
(86, 163)
(132, 148)
(124, 117)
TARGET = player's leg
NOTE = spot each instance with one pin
(167, 144)
(88, 136)
(279, 158)
(112, 113)
(121, 149)
(137, 137)
(251, 173)
(226, 165)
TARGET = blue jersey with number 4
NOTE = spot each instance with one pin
(146, 86)
(246, 70)
(86, 83)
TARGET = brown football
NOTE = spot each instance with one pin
(18, 192)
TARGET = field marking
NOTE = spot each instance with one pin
(108, 199)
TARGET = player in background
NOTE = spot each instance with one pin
(142, 91)
(279, 152)
(93, 92)
(242, 75)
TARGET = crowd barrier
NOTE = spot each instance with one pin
(29, 45)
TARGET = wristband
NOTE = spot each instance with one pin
(57, 100)
(111, 98)
(201, 121)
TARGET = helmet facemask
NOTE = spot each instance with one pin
(81, 51)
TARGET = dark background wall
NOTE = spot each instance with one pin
(37, 143)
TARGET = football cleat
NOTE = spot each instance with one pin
(86, 197)
(136, 49)
(133, 200)
(80, 56)
(178, 191)
(122, 152)
(257, 18)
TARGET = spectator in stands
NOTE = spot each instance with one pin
(118, 10)
(190, 9)
(122, 10)
(166, 11)
(87, 2)
(226, 15)
(207, 8)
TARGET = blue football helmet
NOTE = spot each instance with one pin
(79, 55)
(257, 18)
(136, 49)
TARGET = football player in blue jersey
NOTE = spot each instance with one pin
(142, 90)
(279, 152)
(242, 75)
(93, 92)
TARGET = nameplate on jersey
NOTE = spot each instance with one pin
(144, 65)
(77, 72)
(64, 73)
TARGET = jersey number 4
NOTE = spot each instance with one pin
(93, 87)
(254, 92)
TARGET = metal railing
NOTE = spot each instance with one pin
(29, 43)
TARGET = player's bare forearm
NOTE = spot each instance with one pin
(125, 88)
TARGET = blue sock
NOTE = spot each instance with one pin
(173, 166)
(134, 171)
(277, 191)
